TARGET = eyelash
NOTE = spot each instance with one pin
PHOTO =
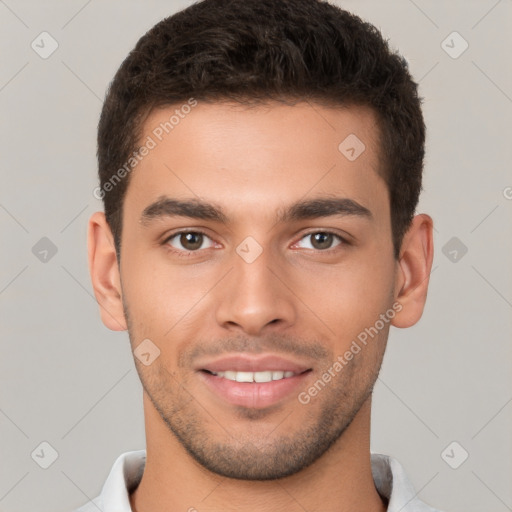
(182, 253)
(188, 254)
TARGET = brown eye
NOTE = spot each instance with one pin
(322, 240)
(191, 241)
(188, 241)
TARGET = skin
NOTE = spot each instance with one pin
(299, 299)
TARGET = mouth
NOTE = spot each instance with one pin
(254, 382)
(263, 376)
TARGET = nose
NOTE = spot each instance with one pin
(255, 296)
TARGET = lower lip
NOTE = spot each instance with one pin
(256, 395)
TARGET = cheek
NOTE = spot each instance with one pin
(163, 300)
(350, 302)
(146, 292)
(349, 295)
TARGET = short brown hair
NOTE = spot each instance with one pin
(253, 51)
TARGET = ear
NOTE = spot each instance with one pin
(414, 267)
(104, 272)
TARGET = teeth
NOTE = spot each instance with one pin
(244, 377)
(229, 375)
(262, 376)
(266, 376)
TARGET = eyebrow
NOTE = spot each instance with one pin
(301, 210)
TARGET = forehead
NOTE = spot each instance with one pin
(264, 156)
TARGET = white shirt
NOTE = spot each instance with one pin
(388, 474)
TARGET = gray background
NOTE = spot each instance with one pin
(67, 380)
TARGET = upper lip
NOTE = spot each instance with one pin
(245, 363)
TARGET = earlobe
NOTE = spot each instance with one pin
(104, 271)
(413, 273)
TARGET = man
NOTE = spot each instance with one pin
(260, 164)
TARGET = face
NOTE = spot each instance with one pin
(255, 253)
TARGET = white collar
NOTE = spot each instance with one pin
(388, 474)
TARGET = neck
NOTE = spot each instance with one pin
(340, 481)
